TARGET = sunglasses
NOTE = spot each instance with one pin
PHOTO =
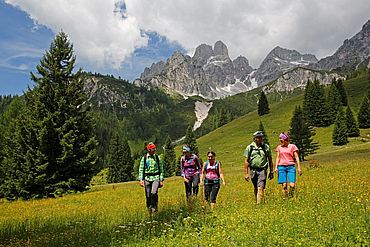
(210, 157)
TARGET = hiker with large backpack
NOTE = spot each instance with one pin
(151, 177)
(190, 170)
(286, 158)
(257, 160)
(212, 170)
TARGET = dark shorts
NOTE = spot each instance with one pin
(258, 178)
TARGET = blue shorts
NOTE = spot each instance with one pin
(286, 174)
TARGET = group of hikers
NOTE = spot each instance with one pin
(258, 159)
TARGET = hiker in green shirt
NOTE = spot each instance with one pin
(257, 159)
(151, 177)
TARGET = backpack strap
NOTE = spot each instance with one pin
(156, 158)
(263, 146)
(217, 168)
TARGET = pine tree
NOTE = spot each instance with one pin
(120, 162)
(169, 159)
(191, 141)
(263, 105)
(364, 114)
(340, 136)
(301, 134)
(314, 105)
(352, 126)
(342, 91)
(222, 117)
(262, 128)
(54, 145)
(334, 102)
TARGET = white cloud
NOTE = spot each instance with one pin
(252, 28)
(104, 40)
(101, 37)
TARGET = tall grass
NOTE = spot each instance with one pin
(331, 206)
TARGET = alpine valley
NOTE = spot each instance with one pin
(207, 90)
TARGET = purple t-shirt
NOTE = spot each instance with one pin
(190, 166)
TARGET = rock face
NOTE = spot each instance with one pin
(279, 61)
(298, 77)
(210, 73)
(352, 53)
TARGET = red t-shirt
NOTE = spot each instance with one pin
(286, 154)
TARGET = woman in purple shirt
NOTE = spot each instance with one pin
(190, 169)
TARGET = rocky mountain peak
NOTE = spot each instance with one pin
(202, 54)
(220, 49)
(278, 61)
(366, 26)
(353, 53)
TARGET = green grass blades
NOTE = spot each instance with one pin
(330, 206)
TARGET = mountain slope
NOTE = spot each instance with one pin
(354, 52)
(230, 140)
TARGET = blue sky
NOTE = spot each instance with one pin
(21, 47)
(23, 42)
(122, 37)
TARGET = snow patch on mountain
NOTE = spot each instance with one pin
(201, 112)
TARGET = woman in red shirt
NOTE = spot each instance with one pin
(286, 158)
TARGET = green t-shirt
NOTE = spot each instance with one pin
(153, 171)
(257, 158)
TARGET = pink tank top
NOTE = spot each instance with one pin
(212, 172)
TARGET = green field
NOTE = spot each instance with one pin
(331, 206)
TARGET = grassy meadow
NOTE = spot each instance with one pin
(331, 205)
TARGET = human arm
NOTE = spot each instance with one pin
(141, 172)
(221, 174)
(298, 163)
(246, 168)
(161, 173)
(202, 174)
(277, 160)
(271, 165)
(182, 169)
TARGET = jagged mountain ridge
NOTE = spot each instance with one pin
(279, 61)
(351, 54)
(211, 73)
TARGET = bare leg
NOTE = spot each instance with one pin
(291, 189)
(255, 192)
(285, 189)
(260, 195)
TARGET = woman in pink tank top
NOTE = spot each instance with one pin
(213, 174)
(286, 159)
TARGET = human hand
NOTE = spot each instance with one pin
(186, 180)
(247, 177)
(299, 171)
(223, 183)
(141, 183)
(161, 184)
(276, 169)
(271, 175)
